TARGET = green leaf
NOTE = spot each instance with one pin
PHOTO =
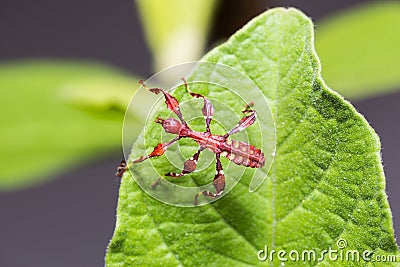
(360, 51)
(326, 183)
(55, 114)
(176, 30)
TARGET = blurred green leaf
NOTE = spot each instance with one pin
(176, 30)
(360, 49)
(56, 114)
(326, 184)
(100, 93)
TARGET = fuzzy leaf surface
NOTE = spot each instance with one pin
(326, 183)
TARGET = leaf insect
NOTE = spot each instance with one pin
(239, 152)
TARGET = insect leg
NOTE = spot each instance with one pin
(172, 102)
(157, 151)
(121, 169)
(219, 182)
(189, 165)
(245, 121)
(207, 110)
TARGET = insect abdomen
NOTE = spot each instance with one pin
(243, 153)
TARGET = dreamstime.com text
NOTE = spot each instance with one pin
(338, 254)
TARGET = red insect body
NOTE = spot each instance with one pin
(238, 152)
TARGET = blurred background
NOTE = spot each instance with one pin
(69, 68)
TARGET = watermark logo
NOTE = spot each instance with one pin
(229, 91)
(341, 253)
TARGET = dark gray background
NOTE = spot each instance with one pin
(68, 221)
